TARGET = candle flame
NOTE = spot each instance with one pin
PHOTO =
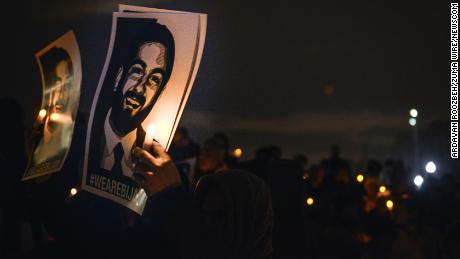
(389, 204)
(150, 131)
(360, 178)
(73, 191)
(238, 152)
(149, 135)
(54, 116)
(42, 113)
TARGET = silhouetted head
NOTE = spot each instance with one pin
(302, 159)
(180, 135)
(212, 155)
(223, 139)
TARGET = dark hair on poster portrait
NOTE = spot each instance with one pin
(50, 60)
(140, 66)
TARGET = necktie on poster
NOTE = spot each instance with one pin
(60, 69)
(151, 64)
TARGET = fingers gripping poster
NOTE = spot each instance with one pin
(148, 74)
(60, 69)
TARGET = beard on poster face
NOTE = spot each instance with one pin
(129, 110)
(138, 85)
(133, 102)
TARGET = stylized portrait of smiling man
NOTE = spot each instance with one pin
(138, 84)
(144, 84)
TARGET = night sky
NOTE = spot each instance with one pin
(300, 75)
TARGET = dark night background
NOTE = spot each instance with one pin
(301, 75)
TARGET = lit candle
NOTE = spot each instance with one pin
(389, 204)
(149, 136)
(54, 116)
(237, 153)
(73, 191)
(41, 116)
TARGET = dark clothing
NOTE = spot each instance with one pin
(284, 177)
(248, 213)
(174, 223)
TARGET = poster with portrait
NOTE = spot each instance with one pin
(203, 19)
(143, 88)
(60, 68)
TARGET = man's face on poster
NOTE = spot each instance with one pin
(140, 84)
(59, 96)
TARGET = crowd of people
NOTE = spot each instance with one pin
(211, 204)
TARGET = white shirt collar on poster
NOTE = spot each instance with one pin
(111, 140)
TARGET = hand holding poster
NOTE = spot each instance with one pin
(147, 77)
(60, 68)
